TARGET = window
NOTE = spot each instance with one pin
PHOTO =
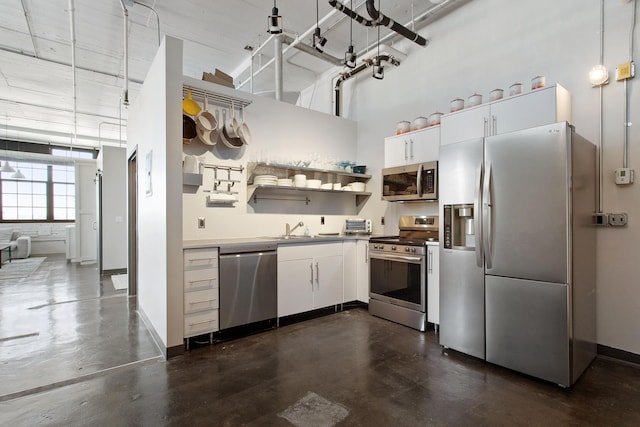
(46, 193)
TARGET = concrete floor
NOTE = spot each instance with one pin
(92, 362)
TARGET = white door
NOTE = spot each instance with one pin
(350, 274)
(433, 284)
(464, 125)
(536, 108)
(424, 145)
(86, 212)
(295, 286)
(328, 281)
(396, 151)
(362, 270)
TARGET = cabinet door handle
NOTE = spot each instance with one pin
(311, 268)
(406, 146)
(411, 149)
(486, 127)
(200, 302)
(318, 275)
(366, 254)
(200, 323)
(494, 120)
(430, 261)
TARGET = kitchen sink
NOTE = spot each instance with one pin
(300, 237)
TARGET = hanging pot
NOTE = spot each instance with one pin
(188, 129)
(207, 125)
(228, 140)
(243, 131)
(231, 125)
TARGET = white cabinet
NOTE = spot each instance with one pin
(412, 147)
(201, 295)
(310, 276)
(539, 107)
(356, 270)
(433, 284)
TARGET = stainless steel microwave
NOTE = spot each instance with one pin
(410, 182)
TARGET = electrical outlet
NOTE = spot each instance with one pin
(200, 222)
(321, 220)
(601, 219)
(382, 221)
(618, 219)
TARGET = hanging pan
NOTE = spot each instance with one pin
(227, 139)
(188, 129)
(243, 131)
(207, 125)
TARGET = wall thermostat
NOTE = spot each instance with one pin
(624, 176)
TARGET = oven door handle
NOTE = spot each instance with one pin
(396, 258)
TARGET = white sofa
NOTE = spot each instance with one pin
(20, 245)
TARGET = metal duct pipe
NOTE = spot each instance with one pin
(347, 75)
(125, 14)
(72, 30)
(378, 18)
(277, 54)
(157, 17)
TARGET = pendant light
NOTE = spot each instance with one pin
(18, 175)
(378, 69)
(6, 167)
(350, 55)
(318, 40)
(274, 21)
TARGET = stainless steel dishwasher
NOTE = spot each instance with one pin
(248, 284)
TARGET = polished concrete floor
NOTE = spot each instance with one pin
(93, 363)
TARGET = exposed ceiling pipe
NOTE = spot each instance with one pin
(72, 28)
(52, 61)
(311, 51)
(33, 40)
(32, 131)
(157, 17)
(277, 54)
(247, 64)
(378, 18)
(348, 74)
(125, 15)
(49, 107)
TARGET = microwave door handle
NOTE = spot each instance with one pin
(419, 181)
(477, 217)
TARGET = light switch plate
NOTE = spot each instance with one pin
(200, 222)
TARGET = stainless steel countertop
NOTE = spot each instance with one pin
(296, 240)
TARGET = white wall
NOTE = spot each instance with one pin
(492, 44)
(154, 126)
(113, 163)
(280, 132)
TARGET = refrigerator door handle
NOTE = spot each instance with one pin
(477, 216)
(486, 212)
(419, 181)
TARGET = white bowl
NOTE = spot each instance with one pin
(327, 186)
(358, 186)
(314, 183)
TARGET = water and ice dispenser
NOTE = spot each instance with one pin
(459, 227)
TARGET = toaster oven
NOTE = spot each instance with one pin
(357, 226)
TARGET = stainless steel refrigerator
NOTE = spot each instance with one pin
(517, 255)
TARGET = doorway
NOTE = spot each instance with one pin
(132, 213)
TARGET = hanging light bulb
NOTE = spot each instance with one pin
(18, 175)
(274, 21)
(6, 167)
(318, 40)
(350, 55)
(378, 69)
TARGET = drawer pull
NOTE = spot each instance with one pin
(201, 281)
(200, 323)
(201, 259)
(200, 302)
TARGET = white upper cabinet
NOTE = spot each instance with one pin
(530, 109)
(413, 147)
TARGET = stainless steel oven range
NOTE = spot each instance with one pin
(398, 277)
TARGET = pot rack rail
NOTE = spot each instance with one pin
(305, 199)
(215, 97)
(219, 182)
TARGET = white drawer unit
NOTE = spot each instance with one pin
(201, 291)
(205, 299)
(200, 323)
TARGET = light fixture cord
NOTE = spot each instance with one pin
(378, 25)
(351, 28)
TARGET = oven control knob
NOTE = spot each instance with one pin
(413, 250)
(375, 247)
(406, 249)
(393, 248)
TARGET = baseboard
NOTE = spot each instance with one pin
(614, 353)
(154, 335)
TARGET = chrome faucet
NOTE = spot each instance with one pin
(289, 230)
